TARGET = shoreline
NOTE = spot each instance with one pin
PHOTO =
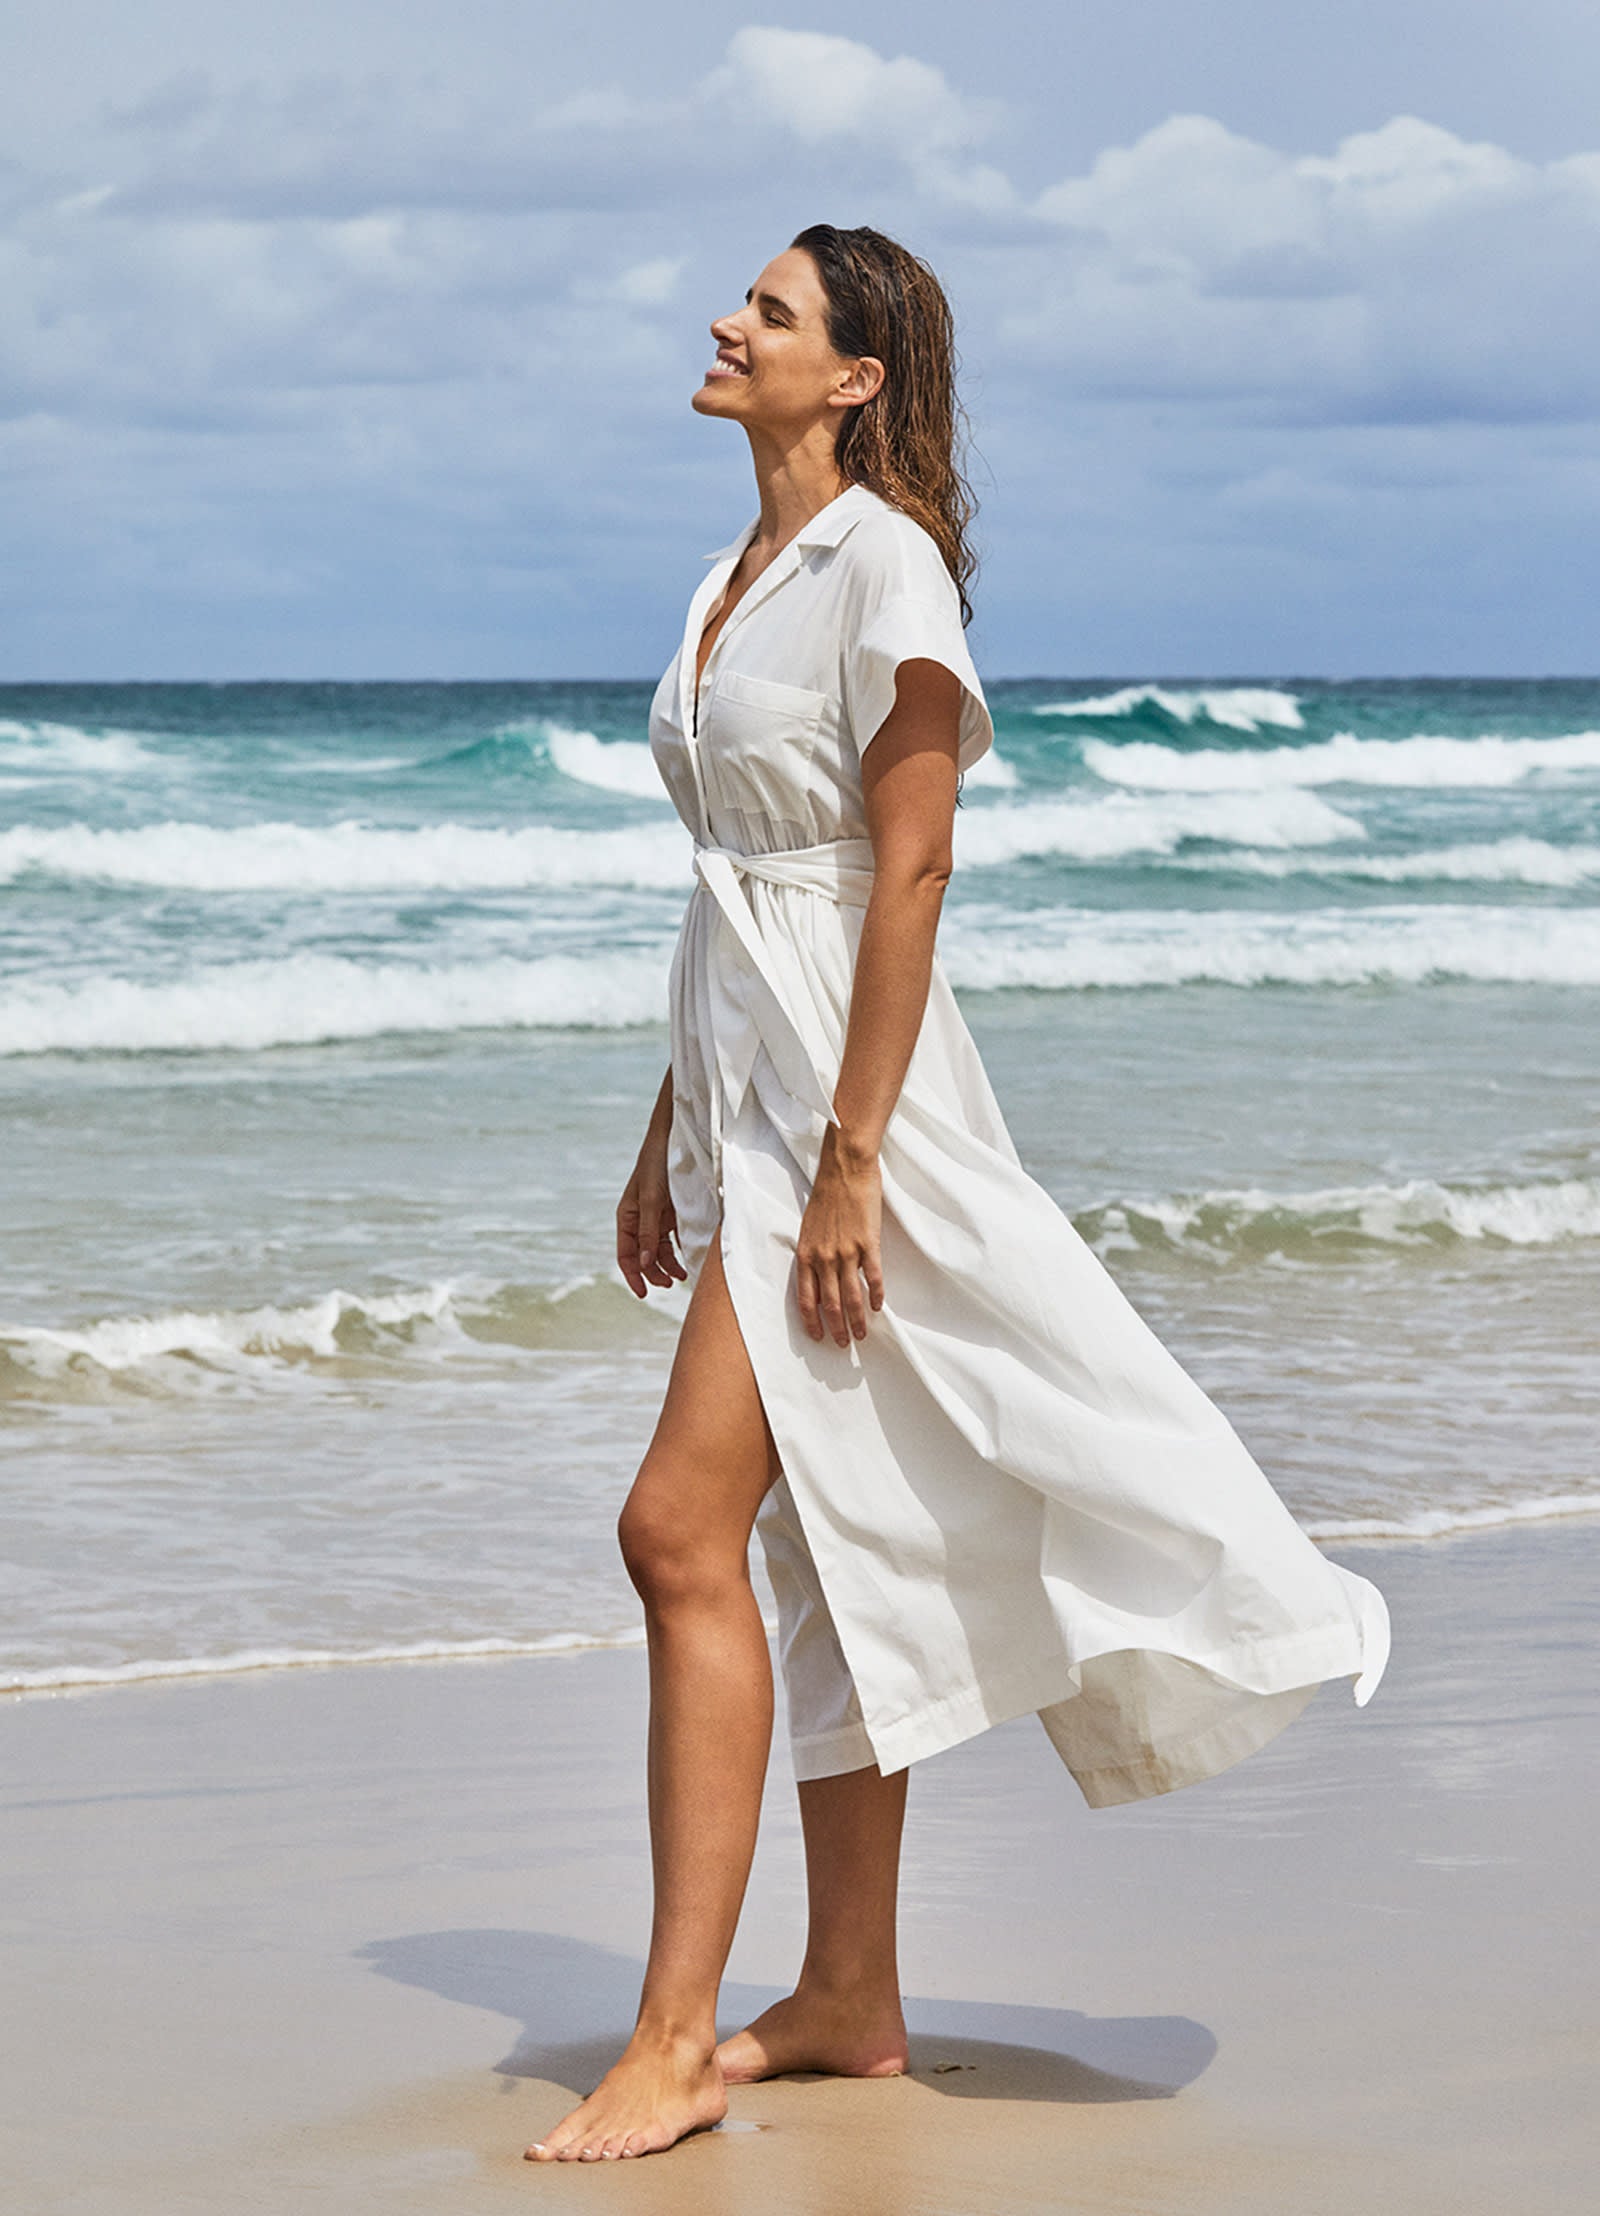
(30, 1686)
(305, 1937)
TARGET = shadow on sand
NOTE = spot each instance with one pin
(575, 2002)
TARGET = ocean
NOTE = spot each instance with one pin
(331, 1015)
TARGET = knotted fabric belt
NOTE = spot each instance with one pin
(840, 870)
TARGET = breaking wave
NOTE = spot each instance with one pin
(347, 857)
(1232, 707)
(1493, 862)
(62, 746)
(1069, 950)
(187, 1351)
(992, 769)
(357, 857)
(1419, 1214)
(613, 765)
(1342, 760)
(1103, 829)
(339, 1334)
(306, 999)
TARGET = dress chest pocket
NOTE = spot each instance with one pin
(761, 736)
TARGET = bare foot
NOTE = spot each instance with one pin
(654, 2096)
(838, 2035)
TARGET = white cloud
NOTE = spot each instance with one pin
(330, 147)
(1411, 168)
(252, 302)
(648, 284)
(825, 89)
(325, 231)
(1410, 275)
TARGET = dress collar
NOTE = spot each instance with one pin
(826, 529)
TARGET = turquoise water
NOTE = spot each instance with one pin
(330, 1017)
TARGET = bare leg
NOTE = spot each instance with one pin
(844, 2016)
(685, 1536)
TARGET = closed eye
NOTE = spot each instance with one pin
(773, 309)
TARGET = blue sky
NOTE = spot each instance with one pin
(358, 341)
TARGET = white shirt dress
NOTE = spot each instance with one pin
(1009, 1497)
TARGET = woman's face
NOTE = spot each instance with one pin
(775, 367)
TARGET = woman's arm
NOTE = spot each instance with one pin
(646, 1221)
(908, 784)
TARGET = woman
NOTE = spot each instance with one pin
(983, 1486)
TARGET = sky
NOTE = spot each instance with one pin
(357, 341)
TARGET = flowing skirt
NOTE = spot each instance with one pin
(1008, 1497)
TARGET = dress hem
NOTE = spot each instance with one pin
(832, 1753)
(1207, 1754)
(962, 1716)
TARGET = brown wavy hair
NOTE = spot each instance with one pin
(905, 443)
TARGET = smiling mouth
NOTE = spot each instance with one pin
(722, 367)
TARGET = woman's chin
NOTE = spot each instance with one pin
(714, 397)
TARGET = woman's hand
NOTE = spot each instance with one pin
(839, 1244)
(647, 1223)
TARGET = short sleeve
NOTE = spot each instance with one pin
(907, 628)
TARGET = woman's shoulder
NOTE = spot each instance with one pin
(890, 556)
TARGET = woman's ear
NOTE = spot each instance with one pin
(863, 380)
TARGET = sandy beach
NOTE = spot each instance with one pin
(319, 1940)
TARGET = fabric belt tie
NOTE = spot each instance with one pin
(840, 870)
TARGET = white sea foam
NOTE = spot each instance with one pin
(352, 856)
(1440, 1523)
(178, 1348)
(1066, 950)
(1235, 707)
(1418, 1213)
(348, 856)
(306, 998)
(614, 765)
(1101, 829)
(359, 765)
(1494, 862)
(234, 1664)
(15, 1680)
(992, 769)
(226, 1338)
(63, 746)
(1422, 761)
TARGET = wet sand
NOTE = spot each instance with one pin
(316, 1941)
